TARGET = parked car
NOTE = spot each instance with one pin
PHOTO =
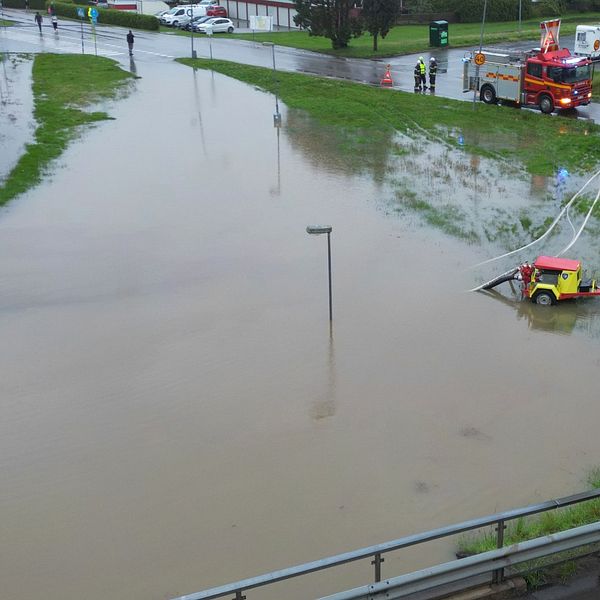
(160, 13)
(194, 22)
(182, 15)
(216, 11)
(203, 21)
(218, 26)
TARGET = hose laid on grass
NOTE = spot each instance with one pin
(587, 217)
(552, 226)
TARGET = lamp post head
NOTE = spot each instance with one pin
(318, 229)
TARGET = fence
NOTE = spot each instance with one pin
(235, 590)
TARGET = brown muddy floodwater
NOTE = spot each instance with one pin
(174, 413)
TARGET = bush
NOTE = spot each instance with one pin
(107, 16)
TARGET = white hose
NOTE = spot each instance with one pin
(587, 217)
(562, 212)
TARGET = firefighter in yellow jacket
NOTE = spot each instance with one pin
(422, 73)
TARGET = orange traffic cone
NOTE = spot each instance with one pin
(387, 78)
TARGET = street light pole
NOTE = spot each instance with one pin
(476, 88)
(318, 230)
(276, 116)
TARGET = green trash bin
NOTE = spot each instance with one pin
(438, 33)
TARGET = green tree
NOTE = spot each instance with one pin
(328, 18)
(379, 16)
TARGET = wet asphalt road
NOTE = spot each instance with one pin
(110, 41)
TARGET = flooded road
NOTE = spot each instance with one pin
(175, 412)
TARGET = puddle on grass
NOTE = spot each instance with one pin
(16, 109)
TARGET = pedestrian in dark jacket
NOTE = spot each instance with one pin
(130, 38)
(38, 19)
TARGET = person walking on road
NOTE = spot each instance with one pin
(130, 38)
(38, 19)
(423, 73)
(432, 73)
(55, 23)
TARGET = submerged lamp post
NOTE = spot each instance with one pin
(318, 230)
(277, 115)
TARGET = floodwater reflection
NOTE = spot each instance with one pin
(563, 318)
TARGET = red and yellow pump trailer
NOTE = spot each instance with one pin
(555, 279)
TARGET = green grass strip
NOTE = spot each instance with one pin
(543, 524)
(62, 86)
(5, 23)
(540, 142)
(408, 39)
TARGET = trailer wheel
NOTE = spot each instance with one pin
(544, 298)
(488, 94)
(546, 104)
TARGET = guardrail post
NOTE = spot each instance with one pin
(377, 560)
(239, 596)
(499, 573)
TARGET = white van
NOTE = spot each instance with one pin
(587, 41)
(180, 15)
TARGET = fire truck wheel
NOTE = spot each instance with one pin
(546, 105)
(544, 298)
(488, 94)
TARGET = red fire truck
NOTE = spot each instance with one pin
(547, 77)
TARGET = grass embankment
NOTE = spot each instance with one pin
(543, 524)
(407, 39)
(5, 23)
(366, 114)
(62, 86)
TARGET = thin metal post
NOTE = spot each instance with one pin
(377, 560)
(476, 88)
(239, 596)
(275, 81)
(520, 3)
(82, 48)
(329, 269)
(499, 573)
(95, 45)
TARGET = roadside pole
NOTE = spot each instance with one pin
(476, 88)
(81, 14)
(93, 15)
(190, 13)
(209, 32)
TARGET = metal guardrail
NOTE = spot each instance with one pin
(237, 588)
(465, 568)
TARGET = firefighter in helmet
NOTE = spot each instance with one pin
(432, 73)
(422, 73)
(417, 74)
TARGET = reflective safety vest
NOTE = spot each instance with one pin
(422, 68)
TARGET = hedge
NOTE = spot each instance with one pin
(108, 16)
(471, 11)
(33, 4)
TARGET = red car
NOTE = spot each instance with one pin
(216, 11)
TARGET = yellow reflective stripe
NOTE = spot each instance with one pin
(549, 83)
